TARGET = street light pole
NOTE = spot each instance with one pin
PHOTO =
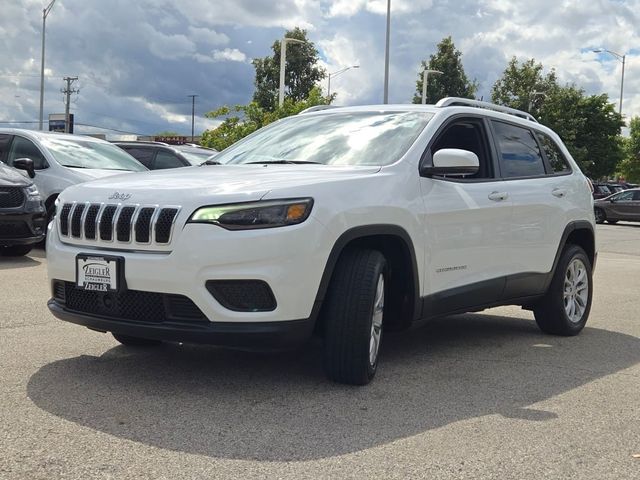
(45, 12)
(283, 62)
(335, 74)
(386, 55)
(193, 112)
(425, 78)
(621, 58)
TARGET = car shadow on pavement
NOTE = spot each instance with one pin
(279, 407)
(10, 263)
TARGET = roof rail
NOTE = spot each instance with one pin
(467, 102)
(317, 108)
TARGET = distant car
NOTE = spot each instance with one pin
(158, 155)
(616, 187)
(624, 205)
(601, 190)
(60, 160)
(22, 213)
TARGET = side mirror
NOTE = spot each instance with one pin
(25, 164)
(452, 161)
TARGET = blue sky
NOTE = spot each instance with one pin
(138, 60)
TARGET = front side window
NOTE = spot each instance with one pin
(519, 152)
(623, 197)
(467, 134)
(557, 160)
(24, 148)
(345, 138)
(143, 155)
(77, 153)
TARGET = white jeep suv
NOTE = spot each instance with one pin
(341, 222)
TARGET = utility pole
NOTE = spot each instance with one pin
(45, 12)
(193, 112)
(68, 91)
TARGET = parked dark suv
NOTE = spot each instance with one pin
(158, 155)
(22, 212)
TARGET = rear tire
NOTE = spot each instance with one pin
(565, 307)
(15, 250)
(353, 313)
(600, 215)
(135, 341)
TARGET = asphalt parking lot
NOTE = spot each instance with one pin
(472, 396)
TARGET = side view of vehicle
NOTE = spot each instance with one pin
(343, 222)
(22, 213)
(624, 205)
(61, 160)
(158, 155)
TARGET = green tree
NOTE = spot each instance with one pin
(242, 120)
(301, 73)
(452, 83)
(523, 86)
(630, 166)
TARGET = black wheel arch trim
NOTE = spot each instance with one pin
(569, 229)
(361, 232)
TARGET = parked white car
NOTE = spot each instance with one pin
(60, 160)
(343, 222)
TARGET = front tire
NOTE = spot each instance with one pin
(612, 222)
(135, 341)
(15, 250)
(565, 307)
(353, 315)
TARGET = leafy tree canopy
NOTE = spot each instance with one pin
(242, 120)
(588, 125)
(452, 83)
(630, 166)
(301, 73)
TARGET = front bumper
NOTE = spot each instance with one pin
(290, 260)
(259, 336)
(21, 228)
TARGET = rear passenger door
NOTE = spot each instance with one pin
(538, 179)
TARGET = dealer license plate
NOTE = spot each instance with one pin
(97, 273)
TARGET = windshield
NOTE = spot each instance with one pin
(73, 153)
(196, 156)
(355, 138)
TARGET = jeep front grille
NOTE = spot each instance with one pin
(119, 225)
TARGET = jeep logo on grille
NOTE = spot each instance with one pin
(120, 196)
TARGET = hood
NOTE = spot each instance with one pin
(208, 184)
(10, 177)
(87, 174)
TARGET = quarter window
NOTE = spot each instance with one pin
(556, 158)
(167, 160)
(519, 152)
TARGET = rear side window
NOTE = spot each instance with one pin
(636, 195)
(5, 141)
(519, 152)
(167, 160)
(557, 160)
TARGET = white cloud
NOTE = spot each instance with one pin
(230, 54)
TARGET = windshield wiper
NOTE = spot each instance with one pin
(289, 162)
(73, 166)
(210, 162)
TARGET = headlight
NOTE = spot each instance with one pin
(32, 192)
(247, 216)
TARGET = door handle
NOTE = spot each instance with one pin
(558, 192)
(498, 196)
